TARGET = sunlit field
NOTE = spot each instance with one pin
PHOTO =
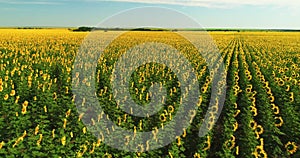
(260, 117)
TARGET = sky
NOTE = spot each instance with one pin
(259, 14)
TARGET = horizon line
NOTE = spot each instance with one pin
(204, 28)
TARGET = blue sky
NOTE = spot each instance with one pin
(283, 14)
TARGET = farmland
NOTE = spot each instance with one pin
(260, 116)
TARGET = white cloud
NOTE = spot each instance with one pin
(216, 3)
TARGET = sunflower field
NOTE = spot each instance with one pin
(39, 118)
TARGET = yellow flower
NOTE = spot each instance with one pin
(25, 104)
(254, 110)
(53, 133)
(200, 100)
(287, 88)
(2, 144)
(208, 143)
(259, 129)
(178, 141)
(271, 98)
(45, 108)
(17, 99)
(291, 96)
(291, 147)
(170, 154)
(276, 110)
(1, 88)
(279, 121)
(65, 123)
(54, 96)
(237, 150)
(68, 113)
(6, 97)
(235, 126)
(197, 155)
(12, 93)
(63, 140)
(163, 118)
(71, 134)
(170, 108)
(24, 134)
(40, 140)
(36, 131)
(67, 90)
(280, 82)
(184, 133)
(249, 88)
(253, 124)
(84, 130)
(24, 110)
(237, 112)
(93, 149)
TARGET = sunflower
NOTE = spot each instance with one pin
(162, 118)
(17, 99)
(45, 108)
(279, 121)
(253, 124)
(291, 97)
(271, 98)
(54, 96)
(259, 129)
(25, 104)
(36, 131)
(229, 144)
(63, 140)
(276, 110)
(1, 88)
(249, 77)
(65, 123)
(237, 150)
(287, 88)
(249, 89)
(184, 133)
(254, 110)
(204, 88)
(2, 144)
(68, 113)
(24, 110)
(291, 147)
(6, 97)
(178, 140)
(119, 120)
(235, 126)
(197, 155)
(170, 108)
(71, 134)
(281, 82)
(269, 90)
(235, 105)
(147, 96)
(236, 113)
(38, 143)
(53, 133)
(208, 143)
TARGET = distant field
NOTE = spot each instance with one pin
(260, 118)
